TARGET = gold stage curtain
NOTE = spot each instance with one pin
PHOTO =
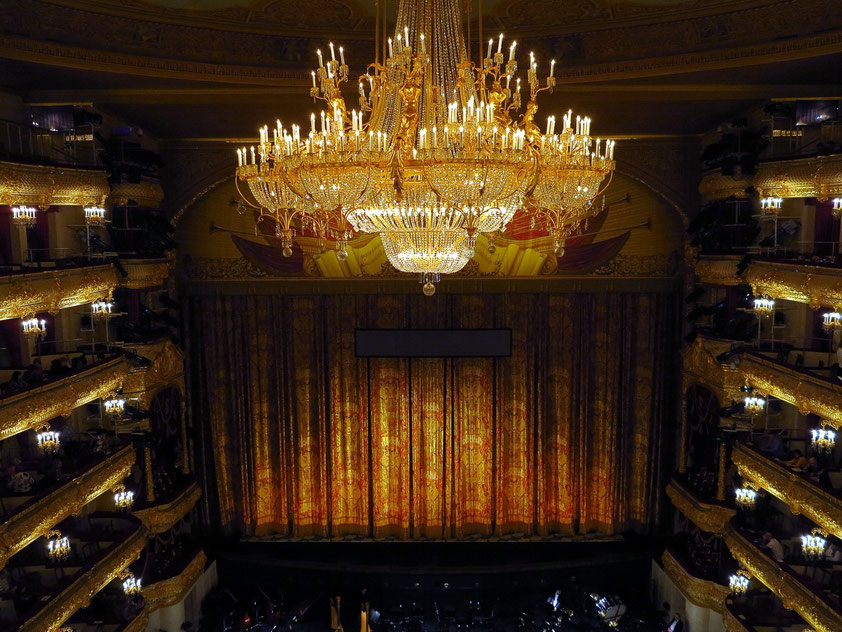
(295, 435)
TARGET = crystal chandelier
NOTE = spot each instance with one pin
(739, 582)
(131, 584)
(94, 215)
(102, 309)
(34, 328)
(754, 405)
(23, 215)
(771, 205)
(58, 546)
(746, 496)
(48, 440)
(837, 207)
(439, 151)
(812, 546)
(764, 306)
(824, 438)
(123, 499)
(831, 321)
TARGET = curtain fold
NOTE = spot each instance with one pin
(297, 436)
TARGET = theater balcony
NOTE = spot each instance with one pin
(29, 516)
(102, 545)
(36, 404)
(144, 274)
(172, 586)
(818, 607)
(163, 513)
(30, 290)
(709, 515)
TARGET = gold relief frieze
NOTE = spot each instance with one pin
(793, 594)
(33, 407)
(700, 366)
(160, 518)
(720, 270)
(44, 186)
(703, 593)
(169, 592)
(815, 285)
(79, 593)
(800, 496)
(808, 394)
(819, 177)
(146, 194)
(707, 516)
(28, 525)
(51, 290)
(167, 369)
(144, 273)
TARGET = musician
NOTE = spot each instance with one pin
(555, 600)
(677, 624)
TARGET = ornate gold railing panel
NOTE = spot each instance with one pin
(78, 594)
(36, 520)
(148, 194)
(793, 594)
(144, 273)
(808, 393)
(44, 186)
(162, 517)
(801, 496)
(167, 369)
(701, 367)
(703, 593)
(819, 177)
(718, 269)
(22, 295)
(35, 406)
(169, 592)
(707, 516)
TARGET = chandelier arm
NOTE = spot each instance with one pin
(244, 198)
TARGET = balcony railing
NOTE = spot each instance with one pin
(170, 591)
(55, 611)
(30, 408)
(28, 292)
(144, 273)
(33, 521)
(707, 515)
(161, 517)
(38, 145)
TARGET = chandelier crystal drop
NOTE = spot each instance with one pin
(437, 150)
(764, 307)
(23, 215)
(34, 328)
(831, 321)
(58, 546)
(824, 438)
(746, 496)
(94, 215)
(739, 582)
(49, 440)
(771, 205)
(812, 545)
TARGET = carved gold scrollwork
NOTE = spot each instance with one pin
(33, 407)
(78, 594)
(28, 525)
(144, 273)
(706, 516)
(701, 366)
(167, 369)
(170, 591)
(36, 185)
(52, 290)
(798, 494)
(147, 194)
(159, 518)
(788, 589)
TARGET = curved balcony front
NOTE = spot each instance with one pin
(161, 517)
(707, 516)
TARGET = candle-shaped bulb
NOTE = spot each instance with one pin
(321, 61)
(406, 35)
(500, 44)
(332, 52)
(391, 54)
(512, 51)
(552, 67)
(313, 73)
(342, 55)
(490, 44)
(423, 45)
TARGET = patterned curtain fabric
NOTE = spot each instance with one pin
(295, 435)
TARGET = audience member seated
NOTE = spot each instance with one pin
(773, 546)
(772, 444)
(798, 460)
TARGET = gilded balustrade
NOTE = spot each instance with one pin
(144, 273)
(45, 186)
(79, 593)
(794, 595)
(801, 496)
(819, 177)
(701, 592)
(701, 367)
(167, 369)
(35, 521)
(707, 516)
(32, 407)
(22, 295)
(162, 517)
(143, 193)
(172, 590)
